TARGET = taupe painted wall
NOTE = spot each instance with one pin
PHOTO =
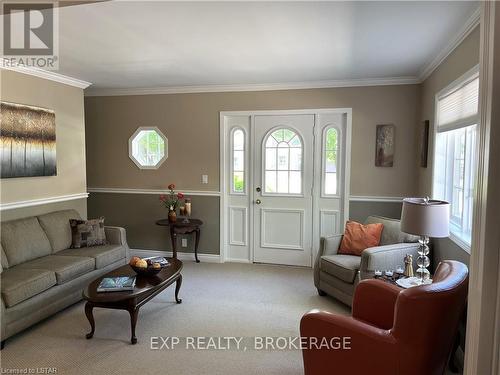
(191, 124)
(138, 213)
(67, 102)
(462, 59)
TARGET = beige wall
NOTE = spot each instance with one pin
(191, 124)
(462, 59)
(67, 102)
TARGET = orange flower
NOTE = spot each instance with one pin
(171, 187)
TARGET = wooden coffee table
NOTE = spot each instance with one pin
(146, 288)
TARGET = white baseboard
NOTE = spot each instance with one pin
(207, 258)
(237, 260)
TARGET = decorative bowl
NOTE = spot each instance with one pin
(149, 271)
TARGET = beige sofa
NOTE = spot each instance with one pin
(338, 275)
(41, 274)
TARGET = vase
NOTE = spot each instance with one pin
(172, 216)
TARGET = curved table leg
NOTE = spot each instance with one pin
(134, 312)
(178, 284)
(196, 243)
(90, 317)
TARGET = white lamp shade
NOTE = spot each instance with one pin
(424, 217)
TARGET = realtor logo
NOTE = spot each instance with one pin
(30, 35)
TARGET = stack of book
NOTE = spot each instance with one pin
(117, 284)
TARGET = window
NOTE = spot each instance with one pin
(283, 163)
(148, 148)
(238, 161)
(330, 161)
(454, 157)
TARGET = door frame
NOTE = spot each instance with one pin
(225, 153)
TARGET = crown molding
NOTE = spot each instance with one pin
(463, 33)
(253, 87)
(46, 74)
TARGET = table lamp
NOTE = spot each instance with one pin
(426, 218)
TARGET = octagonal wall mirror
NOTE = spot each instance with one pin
(148, 147)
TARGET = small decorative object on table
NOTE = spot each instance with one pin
(408, 272)
(148, 266)
(172, 201)
(187, 209)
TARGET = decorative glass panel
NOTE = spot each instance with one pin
(148, 148)
(283, 163)
(238, 161)
(330, 153)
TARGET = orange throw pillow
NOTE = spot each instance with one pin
(358, 237)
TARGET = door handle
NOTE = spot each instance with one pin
(258, 201)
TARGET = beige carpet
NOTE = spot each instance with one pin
(218, 300)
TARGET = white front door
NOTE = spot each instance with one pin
(282, 189)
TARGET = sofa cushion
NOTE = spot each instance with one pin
(20, 284)
(87, 233)
(103, 255)
(24, 240)
(66, 268)
(344, 267)
(392, 231)
(56, 226)
(358, 237)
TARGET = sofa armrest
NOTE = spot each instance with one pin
(387, 257)
(376, 347)
(117, 236)
(378, 293)
(328, 246)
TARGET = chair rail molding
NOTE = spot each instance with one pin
(150, 191)
(42, 201)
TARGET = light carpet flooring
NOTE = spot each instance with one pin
(244, 300)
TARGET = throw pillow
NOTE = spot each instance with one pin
(358, 237)
(87, 233)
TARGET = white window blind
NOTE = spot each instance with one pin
(459, 108)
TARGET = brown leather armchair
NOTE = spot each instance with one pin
(392, 330)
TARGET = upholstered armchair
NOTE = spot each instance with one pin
(338, 275)
(392, 330)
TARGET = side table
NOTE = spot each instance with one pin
(179, 227)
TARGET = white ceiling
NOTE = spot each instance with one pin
(117, 45)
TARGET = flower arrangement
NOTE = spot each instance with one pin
(171, 200)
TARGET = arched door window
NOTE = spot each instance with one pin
(283, 162)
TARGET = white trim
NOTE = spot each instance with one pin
(483, 335)
(207, 258)
(255, 87)
(41, 201)
(237, 260)
(244, 229)
(463, 33)
(51, 76)
(371, 198)
(151, 191)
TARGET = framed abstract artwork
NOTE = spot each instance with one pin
(384, 147)
(27, 141)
